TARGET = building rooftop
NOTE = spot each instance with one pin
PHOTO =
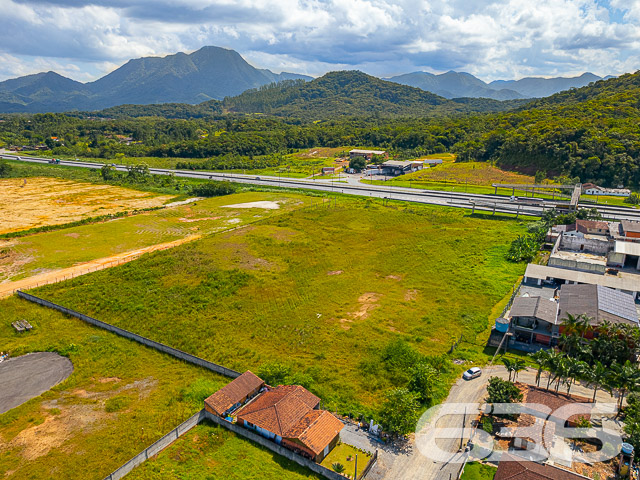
(629, 282)
(598, 303)
(515, 468)
(373, 152)
(581, 257)
(280, 409)
(630, 226)
(584, 225)
(401, 163)
(234, 392)
(537, 307)
(628, 248)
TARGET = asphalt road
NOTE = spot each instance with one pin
(28, 376)
(415, 465)
(483, 202)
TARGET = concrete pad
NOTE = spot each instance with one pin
(28, 376)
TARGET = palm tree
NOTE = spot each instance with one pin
(583, 324)
(570, 325)
(509, 365)
(574, 369)
(518, 365)
(626, 378)
(542, 358)
(561, 369)
(552, 365)
(598, 375)
(605, 327)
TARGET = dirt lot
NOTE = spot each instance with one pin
(33, 202)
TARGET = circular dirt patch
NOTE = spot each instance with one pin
(28, 376)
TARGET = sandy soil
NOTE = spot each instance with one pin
(267, 205)
(51, 201)
(7, 289)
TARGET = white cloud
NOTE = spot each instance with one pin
(491, 39)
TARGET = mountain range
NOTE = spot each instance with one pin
(214, 73)
(209, 73)
(459, 84)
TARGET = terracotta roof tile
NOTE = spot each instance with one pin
(234, 392)
(513, 468)
(321, 431)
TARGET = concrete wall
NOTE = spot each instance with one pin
(157, 447)
(135, 337)
(589, 245)
(555, 261)
(280, 450)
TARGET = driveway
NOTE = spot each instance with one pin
(413, 465)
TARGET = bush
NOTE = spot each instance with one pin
(633, 199)
(5, 169)
(213, 189)
(399, 413)
(116, 403)
(487, 424)
(337, 467)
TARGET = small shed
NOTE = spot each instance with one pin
(234, 394)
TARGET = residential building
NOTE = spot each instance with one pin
(331, 170)
(516, 468)
(630, 228)
(597, 302)
(289, 415)
(591, 189)
(234, 394)
(534, 321)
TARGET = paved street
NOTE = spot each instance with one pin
(413, 465)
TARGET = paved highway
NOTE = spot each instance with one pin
(483, 202)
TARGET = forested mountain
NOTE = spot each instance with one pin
(543, 87)
(460, 84)
(352, 93)
(592, 133)
(454, 85)
(209, 73)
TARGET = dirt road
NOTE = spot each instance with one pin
(415, 466)
(9, 288)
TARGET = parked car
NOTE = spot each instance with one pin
(473, 372)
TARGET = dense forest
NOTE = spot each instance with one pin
(592, 133)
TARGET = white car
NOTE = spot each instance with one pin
(473, 372)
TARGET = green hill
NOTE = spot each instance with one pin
(353, 93)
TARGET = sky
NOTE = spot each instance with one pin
(492, 39)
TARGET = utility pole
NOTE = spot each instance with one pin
(355, 474)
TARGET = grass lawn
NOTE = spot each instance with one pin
(210, 452)
(478, 471)
(341, 453)
(120, 398)
(63, 248)
(321, 290)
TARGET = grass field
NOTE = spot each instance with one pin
(21, 257)
(345, 455)
(478, 471)
(211, 452)
(120, 398)
(34, 202)
(321, 290)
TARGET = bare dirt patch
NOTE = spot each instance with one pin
(411, 294)
(11, 261)
(38, 440)
(335, 272)
(72, 235)
(191, 220)
(368, 302)
(51, 201)
(397, 278)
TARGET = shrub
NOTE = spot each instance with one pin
(337, 467)
(5, 169)
(116, 403)
(487, 424)
(213, 189)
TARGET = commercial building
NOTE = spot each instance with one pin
(367, 154)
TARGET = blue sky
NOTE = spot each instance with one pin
(492, 39)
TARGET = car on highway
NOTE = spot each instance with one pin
(473, 372)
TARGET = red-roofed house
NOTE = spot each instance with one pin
(234, 394)
(288, 415)
(514, 468)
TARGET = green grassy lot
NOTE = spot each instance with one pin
(478, 471)
(62, 248)
(341, 453)
(120, 398)
(211, 452)
(322, 290)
